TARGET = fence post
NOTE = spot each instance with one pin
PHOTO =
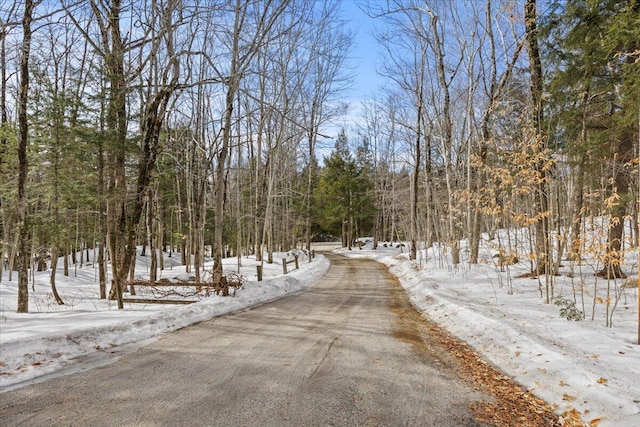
(297, 263)
(259, 270)
(284, 266)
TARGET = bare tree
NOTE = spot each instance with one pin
(163, 78)
(253, 24)
(416, 49)
(111, 48)
(380, 129)
(407, 51)
(543, 255)
(159, 60)
(494, 85)
(325, 78)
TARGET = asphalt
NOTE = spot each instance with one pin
(338, 354)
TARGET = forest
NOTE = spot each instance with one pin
(200, 129)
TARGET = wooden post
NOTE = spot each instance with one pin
(295, 257)
(259, 271)
(284, 266)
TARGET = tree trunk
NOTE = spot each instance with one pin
(23, 229)
(151, 241)
(312, 137)
(4, 119)
(56, 221)
(102, 224)
(117, 131)
(66, 246)
(232, 84)
(541, 208)
(54, 266)
(447, 139)
(221, 176)
(575, 248)
(614, 257)
(413, 252)
(160, 229)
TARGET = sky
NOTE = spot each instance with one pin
(366, 57)
(364, 62)
(576, 366)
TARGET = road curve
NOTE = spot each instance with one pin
(336, 355)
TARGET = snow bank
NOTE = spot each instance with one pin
(580, 365)
(32, 351)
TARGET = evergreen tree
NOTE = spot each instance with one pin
(594, 47)
(344, 193)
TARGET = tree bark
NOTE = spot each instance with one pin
(447, 143)
(221, 176)
(116, 120)
(575, 247)
(541, 208)
(102, 223)
(242, 54)
(4, 119)
(415, 181)
(23, 229)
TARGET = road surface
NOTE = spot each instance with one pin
(339, 354)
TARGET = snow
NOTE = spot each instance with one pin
(582, 365)
(576, 365)
(52, 339)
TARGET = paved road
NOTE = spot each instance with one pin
(336, 355)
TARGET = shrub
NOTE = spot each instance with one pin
(568, 309)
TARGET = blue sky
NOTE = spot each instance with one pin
(364, 60)
(365, 52)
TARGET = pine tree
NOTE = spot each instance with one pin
(344, 193)
(594, 47)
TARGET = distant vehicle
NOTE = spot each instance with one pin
(361, 241)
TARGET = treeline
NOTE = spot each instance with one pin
(510, 115)
(169, 124)
(181, 126)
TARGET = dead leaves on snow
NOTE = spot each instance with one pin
(572, 418)
(511, 406)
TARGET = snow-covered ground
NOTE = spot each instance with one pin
(581, 365)
(53, 338)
